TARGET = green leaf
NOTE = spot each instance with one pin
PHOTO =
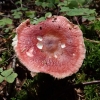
(17, 15)
(24, 9)
(51, 1)
(38, 3)
(78, 11)
(73, 4)
(76, 3)
(30, 14)
(61, 4)
(90, 18)
(1, 78)
(7, 72)
(75, 12)
(96, 26)
(5, 21)
(45, 4)
(6, 30)
(1, 69)
(82, 1)
(56, 1)
(65, 9)
(4, 57)
(11, 78)
(18, 2)
(40, 19)
(51, 5)
(48, 15)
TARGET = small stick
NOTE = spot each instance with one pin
(87, 83)
(14, 62)
(92, 41)
(2, 49)
(91, 82)
(76, 19)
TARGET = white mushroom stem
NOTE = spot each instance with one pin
(15, 40)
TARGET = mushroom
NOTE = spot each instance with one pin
(54, 46)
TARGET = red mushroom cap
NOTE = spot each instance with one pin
(54, 46)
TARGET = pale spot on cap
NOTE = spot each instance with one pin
(30, 52)
(63, 45)
(39, 38)
(39, 45)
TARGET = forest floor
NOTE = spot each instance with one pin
(43, 86)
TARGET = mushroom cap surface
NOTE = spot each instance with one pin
(54, 46)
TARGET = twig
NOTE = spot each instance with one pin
(2, 49)
(1, 35)
(14, 62)
(76, 19)
(87, 83)
(92, 40)
(13, 3)
(91, 82)
(21, 3)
